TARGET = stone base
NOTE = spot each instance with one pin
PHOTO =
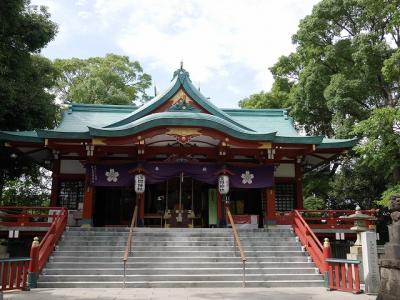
(86, 223)
(32, 280)
(270, 222)
(390, 280)
(390, 266)
(356, 254)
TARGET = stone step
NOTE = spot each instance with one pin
(178, 271)
(183, 264)
(179, 277)
(173, 239)
(184, 284)
(182, 234)
(178, 257)
(175, 230)
(175, 253)
(298, 257)
(168, 248)
(135, 243)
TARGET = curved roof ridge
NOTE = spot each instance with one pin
(100, 107)
(180, 119)
(180, 80)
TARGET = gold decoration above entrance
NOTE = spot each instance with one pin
(98, 141)
(265, 145)
(183, 135)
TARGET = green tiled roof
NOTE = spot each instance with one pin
(84, 121)
(24, 136)
(181, 119)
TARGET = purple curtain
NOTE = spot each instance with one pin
(242, 177)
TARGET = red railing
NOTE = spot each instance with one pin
(339, 274)
(309, 240)
(55, 218)
(331, 219)
(27, 216)
(13, 273)
(49, 241)
(344, 275)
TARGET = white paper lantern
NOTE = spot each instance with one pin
(140, 183)
(223, 184)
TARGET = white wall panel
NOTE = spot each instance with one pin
(285, 170)
(71, 167)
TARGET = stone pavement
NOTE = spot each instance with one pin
(184, 294)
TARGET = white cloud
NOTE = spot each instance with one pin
(215, 38)
(207, 35)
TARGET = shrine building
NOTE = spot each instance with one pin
(181, 143)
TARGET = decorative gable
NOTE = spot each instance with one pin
(180, 96)
(180, 102)
(183, 104)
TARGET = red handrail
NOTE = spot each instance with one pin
(37, 216)
(26, 216)
(344, 275)
(311, 243)
(332, 219)
(52, 236)
(13, 273)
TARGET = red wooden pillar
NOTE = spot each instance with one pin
(299, 186)
(55, 182)
(271, 210)
(87, 214)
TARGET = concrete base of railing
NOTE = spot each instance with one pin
(33, 279)
(270, 222)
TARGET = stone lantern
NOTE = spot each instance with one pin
(360, 225)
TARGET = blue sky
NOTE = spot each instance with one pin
(226, 45)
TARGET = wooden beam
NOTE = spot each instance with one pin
(55, 183)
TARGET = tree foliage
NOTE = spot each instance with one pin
(344, 81)
(25, 77)
(381, 147)
(276, 98)
(28, 190)
(314, 203)
(112, 79)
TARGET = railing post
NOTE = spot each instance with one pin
(33, 270)
(326, 254)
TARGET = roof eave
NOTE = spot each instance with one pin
(19, 137)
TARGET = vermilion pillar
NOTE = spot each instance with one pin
(87, 214)
(299, 186)
(55, 182)
(271, 211)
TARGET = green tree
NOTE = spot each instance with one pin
(25, 77)
(276, 98)
(345, 72)
(112, 79)
(28, 190)
(314, 203)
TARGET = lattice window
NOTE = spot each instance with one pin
(285, 196)
(71, 194)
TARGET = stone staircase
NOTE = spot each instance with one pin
(173, 257)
